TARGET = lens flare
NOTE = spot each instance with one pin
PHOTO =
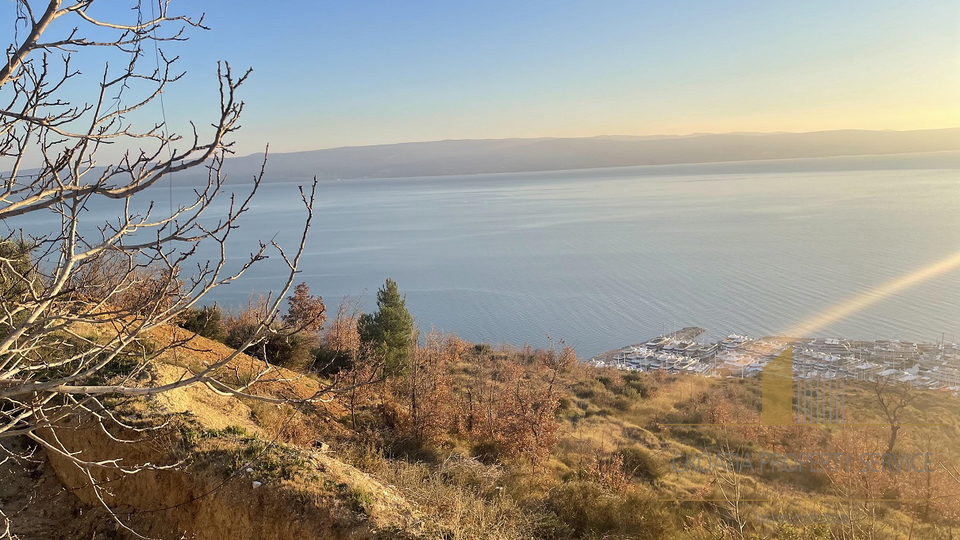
(850, 306)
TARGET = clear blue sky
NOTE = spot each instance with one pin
(366, 72)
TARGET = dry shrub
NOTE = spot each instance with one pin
(305, 312)
(418, 409)
(341, 340)
(277, 344)
(431, 406)
(471, 472)
(588, 510)
(286, 423)
(504, 405)
(509, 404)
(608, 471)
(121, 284)
(462, 498)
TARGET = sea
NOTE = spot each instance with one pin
(602, 258)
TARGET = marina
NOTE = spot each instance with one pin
(934, 366)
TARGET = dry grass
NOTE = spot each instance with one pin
(465, 499)
(607, 421)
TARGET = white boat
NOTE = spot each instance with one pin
(733, 341)
(657, 342)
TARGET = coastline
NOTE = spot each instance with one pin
(934, 366)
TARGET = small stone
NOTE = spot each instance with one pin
(257, 484)
(249, 469)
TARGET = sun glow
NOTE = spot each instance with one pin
(857, 303)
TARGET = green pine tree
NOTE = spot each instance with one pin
(390, 331)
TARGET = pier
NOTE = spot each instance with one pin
(689, 333)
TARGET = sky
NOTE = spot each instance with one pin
(328, 74)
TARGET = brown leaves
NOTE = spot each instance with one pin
(305, 312)
(512, 406)
(609, 471)
(342, 338)
(503, 404)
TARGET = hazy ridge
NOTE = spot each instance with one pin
(459, 157)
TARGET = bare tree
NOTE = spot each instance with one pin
(342, 338)
(894, 397)
(125, 276)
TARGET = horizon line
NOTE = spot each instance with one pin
(604, 136)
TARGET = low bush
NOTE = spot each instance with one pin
(639, 463)
(206, 321)
(589, 511)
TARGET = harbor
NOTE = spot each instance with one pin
(934, 365)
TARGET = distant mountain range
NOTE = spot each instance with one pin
(459, 157)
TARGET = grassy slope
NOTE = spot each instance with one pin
(609, 474)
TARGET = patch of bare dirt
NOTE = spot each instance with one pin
(40, 508)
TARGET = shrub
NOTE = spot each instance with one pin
(293, 351)
(636, 382)
(17, 273)
(206, 321)
(305, 312)
(639, 463)
(340, 343)
(589, 511)
(279, 344)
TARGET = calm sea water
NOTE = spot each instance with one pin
(605, 258)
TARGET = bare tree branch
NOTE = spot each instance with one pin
(92, 294)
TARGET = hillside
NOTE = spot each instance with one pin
(229, 468)
(555, 450)
(458, 157)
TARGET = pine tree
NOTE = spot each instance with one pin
(390, 331)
